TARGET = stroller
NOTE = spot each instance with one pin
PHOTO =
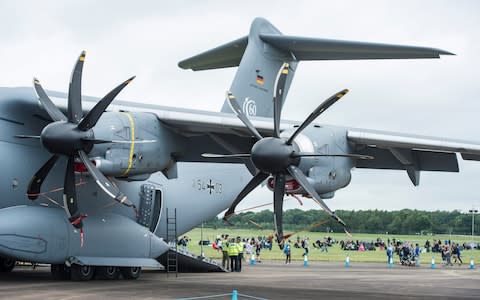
(406, 257)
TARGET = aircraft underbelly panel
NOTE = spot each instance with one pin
(42, 234)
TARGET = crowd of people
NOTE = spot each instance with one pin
(410, 255)
(235, 250)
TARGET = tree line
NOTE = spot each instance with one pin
(405, 221)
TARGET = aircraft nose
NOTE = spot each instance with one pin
(30, 233)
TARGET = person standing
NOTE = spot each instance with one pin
(258, 248)
(225, 258)
(287, 249)
(417, 255)
(241, 247)
(233, 254)
(249, 248)
(390, 254)
(306, 245)
(448, 255)
(456, 254)
(427, 246)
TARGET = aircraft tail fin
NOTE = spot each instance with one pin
(260, 55)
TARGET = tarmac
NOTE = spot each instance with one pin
(267, 280)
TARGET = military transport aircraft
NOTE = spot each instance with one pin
(86, 184)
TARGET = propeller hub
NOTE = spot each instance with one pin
(273, 155)
(65, 138)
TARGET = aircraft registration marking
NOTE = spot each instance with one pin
(207, 185)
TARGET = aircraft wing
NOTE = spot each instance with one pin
(413, 153)
(213, 132)
(220, 133)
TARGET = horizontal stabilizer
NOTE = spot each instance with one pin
(224, 56)
(303, 48)
(325, 49)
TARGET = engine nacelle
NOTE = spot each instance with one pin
(325, 173)
(141, 145)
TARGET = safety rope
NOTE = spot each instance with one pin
(309, 228)
(77, 222)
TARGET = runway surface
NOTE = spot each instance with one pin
(270, 280)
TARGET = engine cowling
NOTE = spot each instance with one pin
(141, 145)
(325, 174)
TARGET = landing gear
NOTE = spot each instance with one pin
(108, 273)
(7, 264)
(82, 273)
(85, 273)
(131, 272)
(61, 272)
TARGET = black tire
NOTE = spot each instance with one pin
(108, 273)
(131, 272)
(82, 273)
(60, 272)
(7, 264)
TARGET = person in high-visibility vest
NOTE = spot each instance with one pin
(233, 254)
(241, 246)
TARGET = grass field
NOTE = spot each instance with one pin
(335, 254)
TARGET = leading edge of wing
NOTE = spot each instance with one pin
(383, 139)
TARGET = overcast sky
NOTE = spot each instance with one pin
(438, 97)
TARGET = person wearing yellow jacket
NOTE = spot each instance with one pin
(225, 258)
(241, 247)
(233, 254)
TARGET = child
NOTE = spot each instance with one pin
(288, 254)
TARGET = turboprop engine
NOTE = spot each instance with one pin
(325, 173)
(136, 145)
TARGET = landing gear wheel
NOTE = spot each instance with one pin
(109, 273)
(131, 272)
(60, 272)
(7, 264)
(82, 273)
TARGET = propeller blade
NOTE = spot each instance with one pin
(254, 182)
(278, 98)
(213, 155)
(93, 115)
(238, 111)
(278, 193)
(36, 182)
(75, 112)
(355, 156)
(102, 181)
(70, 194)
(302, 179)
(23, 136)
(47, 104)
(318, 111)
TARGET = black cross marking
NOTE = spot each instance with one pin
(210, 186)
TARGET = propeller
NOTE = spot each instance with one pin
(278, 157)
(72, 136)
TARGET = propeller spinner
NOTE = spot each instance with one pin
(72, 136)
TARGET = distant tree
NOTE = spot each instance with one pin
(405, 221)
